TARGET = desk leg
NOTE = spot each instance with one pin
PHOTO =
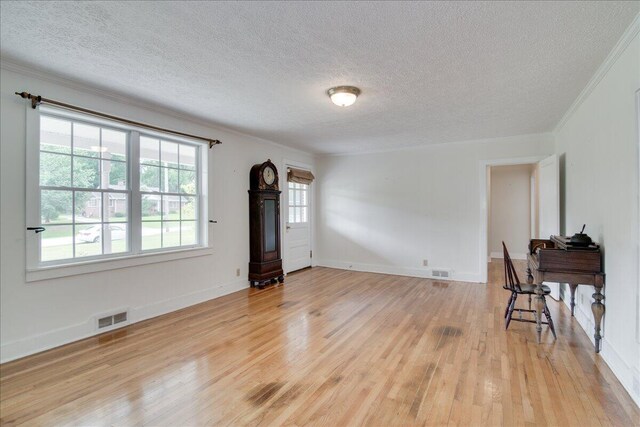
(598, 311)
(573, 297)
(539, 309)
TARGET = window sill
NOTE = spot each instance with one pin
(77, 268)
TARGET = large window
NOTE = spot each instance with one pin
(107, 191)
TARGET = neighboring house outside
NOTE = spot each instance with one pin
(118, 204)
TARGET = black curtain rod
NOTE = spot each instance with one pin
(37, 100)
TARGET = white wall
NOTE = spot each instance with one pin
(40, 315)
(386, 212)
(510, 210)
(598, 147)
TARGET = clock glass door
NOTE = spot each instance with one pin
(270, 226)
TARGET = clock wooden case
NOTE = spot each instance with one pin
(265, 265)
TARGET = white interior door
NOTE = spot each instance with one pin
(298, 230)
(549, 205)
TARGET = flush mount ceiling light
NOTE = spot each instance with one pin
(343, 96)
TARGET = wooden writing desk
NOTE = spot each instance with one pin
(555, 260)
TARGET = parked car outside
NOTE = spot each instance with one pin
(92, 234)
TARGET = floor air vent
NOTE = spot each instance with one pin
(114, 319)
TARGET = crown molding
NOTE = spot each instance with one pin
(630, 33)
(540, 136)
(55, 78)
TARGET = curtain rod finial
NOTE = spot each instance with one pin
(35, 100)
(213, 142)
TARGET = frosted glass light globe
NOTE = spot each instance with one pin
(343, 96)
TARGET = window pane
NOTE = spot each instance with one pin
(149, 151)
(170, 207)
(189, 208)
(115, 238)
(151, 235)
(292, 217)
(55, 135)
(188, 182)
(88, 240)
(55, 170)
(169, 154)
(114, 144)
(86, 172)
(114, 175)
(303, 198)
(188, 230)
(149, 178)
(56, 207)
(303, 214)
(169, 180)
(88, 207)
(151, 207)
(291, 197)
(86, 140)
(116, 206)
(170, 234)
(187, 157)
(56, 243)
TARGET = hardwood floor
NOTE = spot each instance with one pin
(330, 347)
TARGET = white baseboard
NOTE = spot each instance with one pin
(37, 343)
(399, 270)
(499, 255)
(621, 369)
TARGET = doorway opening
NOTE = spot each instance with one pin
(512, 209)
(520, 201)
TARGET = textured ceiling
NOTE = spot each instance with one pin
(429, 72)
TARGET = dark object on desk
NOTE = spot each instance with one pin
(580, 239)
(512, 283)
(556, 260)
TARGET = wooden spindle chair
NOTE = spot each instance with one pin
(513, 284)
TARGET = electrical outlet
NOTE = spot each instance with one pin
(425, 262)
(238, 272)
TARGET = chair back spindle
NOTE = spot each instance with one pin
(512, 282)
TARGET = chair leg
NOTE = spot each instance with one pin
(506, 310)
(511, 307)
(547, 314)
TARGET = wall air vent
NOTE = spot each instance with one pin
(113, 319)
(440, 273)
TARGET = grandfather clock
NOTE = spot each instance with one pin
(265, 265)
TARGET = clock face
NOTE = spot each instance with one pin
(268, 175)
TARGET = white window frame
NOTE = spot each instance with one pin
(37, 270)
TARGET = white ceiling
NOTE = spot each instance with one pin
(429, 72)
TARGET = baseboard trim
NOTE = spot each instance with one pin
(621, 369)
(35, 344)
(400, 271)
